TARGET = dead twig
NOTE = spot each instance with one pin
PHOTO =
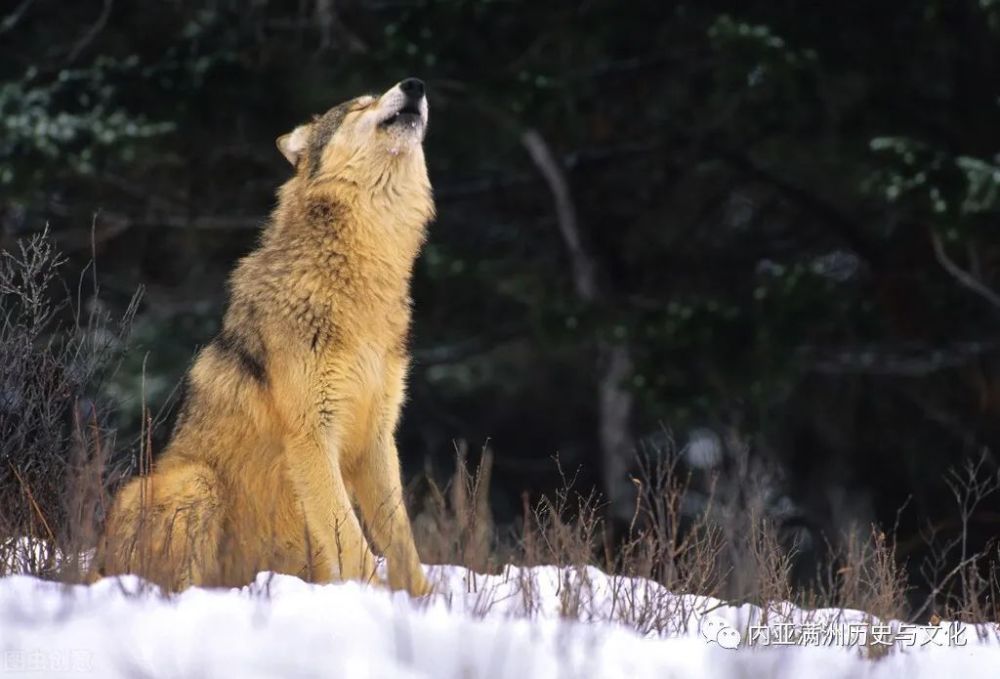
(92, 32)
(965, 278)
(12, 19)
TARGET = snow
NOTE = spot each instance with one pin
(538, 622)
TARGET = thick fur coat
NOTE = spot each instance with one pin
(290, 413)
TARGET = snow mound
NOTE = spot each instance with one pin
(538, 622)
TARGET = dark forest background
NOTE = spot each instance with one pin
(763, 234)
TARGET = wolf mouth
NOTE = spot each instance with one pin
(408, 115)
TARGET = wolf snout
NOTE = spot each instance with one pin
(413, 88)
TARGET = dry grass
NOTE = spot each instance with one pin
(56, 482)
(666, 552)
(733, 554)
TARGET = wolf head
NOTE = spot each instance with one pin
(366, 142)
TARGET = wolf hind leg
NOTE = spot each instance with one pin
(167, 527)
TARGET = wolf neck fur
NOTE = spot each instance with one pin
(364, 241)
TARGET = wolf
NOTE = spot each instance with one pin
(290, 412)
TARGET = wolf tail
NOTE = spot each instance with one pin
(166, 527)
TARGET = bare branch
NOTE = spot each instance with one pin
(917, 360)
(463, 349)
(325, 19)
(584, 275)
(92, 33)
(614, 400)
(12, 19)
(330, 26)
(961, 275)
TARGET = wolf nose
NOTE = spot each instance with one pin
(413, 88)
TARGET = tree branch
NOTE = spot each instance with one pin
(12, 19)
(584, 274)
(961, 275)
(614, 400)
(91, 33)
(912, 361)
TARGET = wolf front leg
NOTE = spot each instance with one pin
(339, 546)
(378, 490)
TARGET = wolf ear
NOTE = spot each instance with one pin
(294, 143)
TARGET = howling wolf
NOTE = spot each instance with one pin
(290, 413)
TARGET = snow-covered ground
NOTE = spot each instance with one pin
(541, 622)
